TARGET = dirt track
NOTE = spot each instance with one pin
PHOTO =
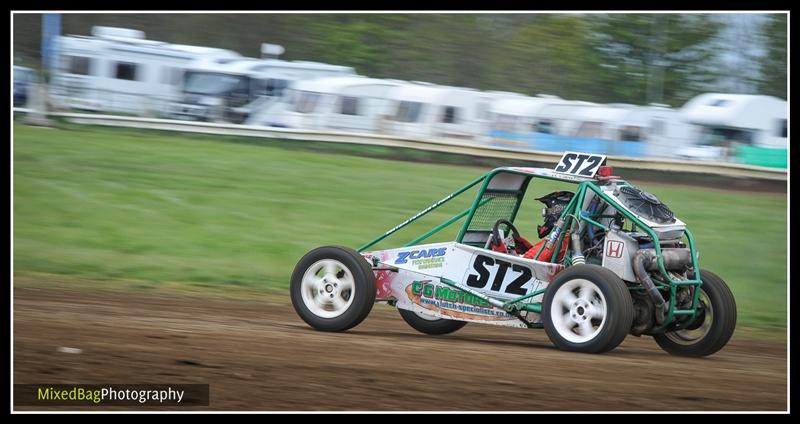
(258, 355)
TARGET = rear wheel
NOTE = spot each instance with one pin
(333, 288)
(430, 325)
(587, 308)
(714, 324)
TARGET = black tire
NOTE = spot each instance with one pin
(436, 327)
(363, 291)
(705, 339)
(613, 326)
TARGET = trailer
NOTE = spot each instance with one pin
(234, 89)
(348, 103)
(512, 120)
(117, 70)
(724, 124)
(427, 110)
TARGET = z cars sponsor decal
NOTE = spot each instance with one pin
(423, 259)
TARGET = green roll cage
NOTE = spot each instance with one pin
(486, 196)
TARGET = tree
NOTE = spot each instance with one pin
(773, 64)
(551, 54)
(656, 57)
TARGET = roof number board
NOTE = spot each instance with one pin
(580, 164)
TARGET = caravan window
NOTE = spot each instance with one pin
(718, 102)
(504, 123)
(306, 102)
(275, 87)
(630, 133)
(450, 115)
(348, 105)
(77, 65)
(408, 111)
(544, 126)
(781, 130)
(126, 71)
(590, 129)
(270, 87)
(210, 83)
(726, 136)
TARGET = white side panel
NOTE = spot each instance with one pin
(618, 252)
(416, 286)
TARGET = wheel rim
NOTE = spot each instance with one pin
(578, 311)
(327, 288)
(689, 337)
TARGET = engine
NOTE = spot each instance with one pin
(628, 250)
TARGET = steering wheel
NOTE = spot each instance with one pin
(497, 241)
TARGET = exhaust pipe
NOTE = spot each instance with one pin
(646, 260)
(577, 247)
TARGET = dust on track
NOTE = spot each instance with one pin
(257, 354)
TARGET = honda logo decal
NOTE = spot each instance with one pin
(614, 249)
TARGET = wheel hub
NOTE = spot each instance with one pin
(579, 311)
(328, 288)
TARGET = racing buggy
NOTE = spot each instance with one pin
(612, 260)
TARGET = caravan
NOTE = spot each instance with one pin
(426, 110)
(726, 125)
(352, 103)
(234, 89)
(512, 120)
(553, 124)
(118, 70)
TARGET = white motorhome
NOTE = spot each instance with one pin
(723, 121)
(427, 110)
(352, 103)
(551, 123)
(519, 114)
(234, 89)
(118, 70)
(561, 117)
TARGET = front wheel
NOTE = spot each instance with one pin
(430, 325)
(715, 322)
(587, 308)
(333, 288)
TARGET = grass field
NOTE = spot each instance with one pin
(111, 204)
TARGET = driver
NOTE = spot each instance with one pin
(515, 244)
(555, 203)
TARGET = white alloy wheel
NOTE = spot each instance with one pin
(327, 288)
(578, 311)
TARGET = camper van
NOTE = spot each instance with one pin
(553, 124)
(118, 70)
(513, 120)
(432, 111)
(24, 79)
(352, 103)
(727, 123)
(231, 90)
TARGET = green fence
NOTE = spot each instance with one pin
(762, 156)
